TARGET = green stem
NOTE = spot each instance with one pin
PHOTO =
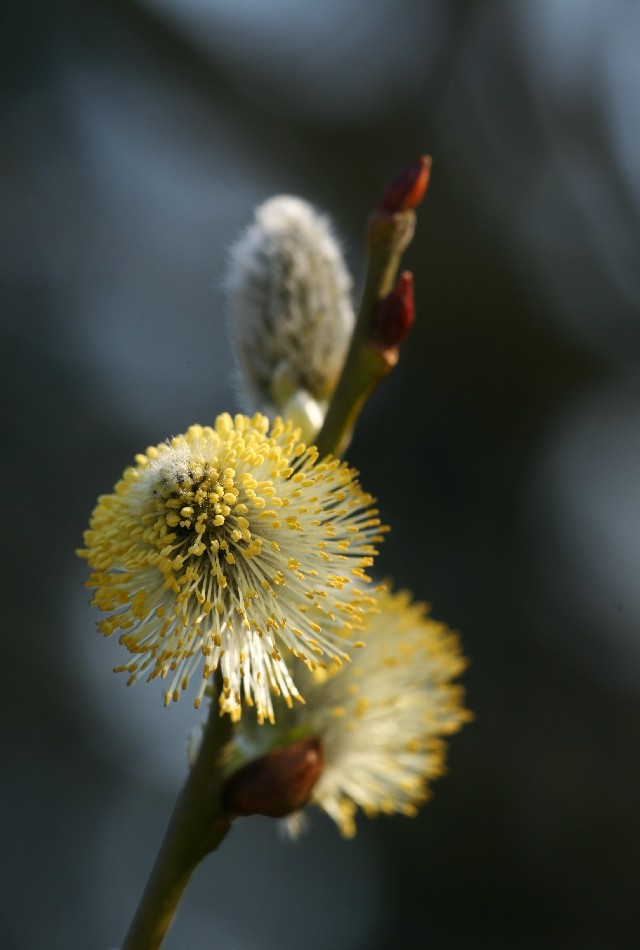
(197, 826)
(367, 362)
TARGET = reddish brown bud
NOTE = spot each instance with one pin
(277, 784)
(407, 189)
(396, 312)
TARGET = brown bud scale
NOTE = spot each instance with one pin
(278, 783)
(396, 312)
(407, 189)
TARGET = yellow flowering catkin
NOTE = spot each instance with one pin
(228, 546)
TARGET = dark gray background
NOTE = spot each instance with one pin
(136, 139)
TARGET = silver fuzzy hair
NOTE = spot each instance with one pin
(290, 310)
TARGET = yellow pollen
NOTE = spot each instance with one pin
(195, 555)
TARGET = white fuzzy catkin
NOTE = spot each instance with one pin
(290, 307)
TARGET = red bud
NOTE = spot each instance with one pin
(407, 189)
(278, 783)
(396, 312)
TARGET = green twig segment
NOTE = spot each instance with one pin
(197, 826)
(367, 362)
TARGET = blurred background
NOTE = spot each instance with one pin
(137, 136)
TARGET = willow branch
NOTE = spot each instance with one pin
(197, 826)
(372, 355)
